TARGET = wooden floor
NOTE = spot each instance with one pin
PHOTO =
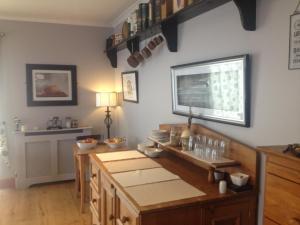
(54, 204)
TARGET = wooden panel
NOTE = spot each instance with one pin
(282, 200)
(95, 219)
(193, 215)
(38, 159)
(284, 172)
(269, 222)
(108, 202)
(228, 214)
(65, 162)
(286, 162)
(95, 175)
(125, 214)
(245, 155)
(95, 199)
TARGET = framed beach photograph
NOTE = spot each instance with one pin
(51, 85)
(130, 86)
(216, 90)
(294, 50)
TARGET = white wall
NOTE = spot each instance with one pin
(218, 33)
(54, 44)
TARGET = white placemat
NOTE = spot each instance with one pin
(113, 156)
(130, 165)
(147, 176)
(150, 194)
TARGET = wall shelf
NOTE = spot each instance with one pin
(169, 26)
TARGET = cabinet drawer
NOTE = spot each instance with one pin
(95, 200)
(285, 162)
(95, 175)
(95, 218)
(284, 172)
(282, 200)
(125, 213)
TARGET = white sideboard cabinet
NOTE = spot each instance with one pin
(45, 156)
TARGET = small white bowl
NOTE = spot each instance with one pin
(239, 179)
(115, 145)
(153, 152)
(85, 146)
(142, 146)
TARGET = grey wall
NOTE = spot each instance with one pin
(53, 44)
(218, 33)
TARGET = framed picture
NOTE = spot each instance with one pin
(294, 51)
(216, 90)
(130, 86)
(51, 85)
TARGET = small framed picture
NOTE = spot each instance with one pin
(51, 85)
(130, 86)
(294, 51)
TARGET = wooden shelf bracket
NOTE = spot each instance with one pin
(133, 44)
(169, 29)
(247, 9)
(112, 55)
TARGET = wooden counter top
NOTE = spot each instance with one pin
(188, 172)
(278, 150)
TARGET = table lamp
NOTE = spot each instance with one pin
(107, 99)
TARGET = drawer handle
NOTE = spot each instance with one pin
(125, 219)
(94, 175)
(294, 221)
(111, 217)
(94, 200)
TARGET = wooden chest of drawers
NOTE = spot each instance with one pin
(282, 188)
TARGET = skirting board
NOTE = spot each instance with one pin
(8, 183)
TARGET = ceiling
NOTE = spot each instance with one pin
(79, 12)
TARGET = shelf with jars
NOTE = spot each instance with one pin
(171, 14)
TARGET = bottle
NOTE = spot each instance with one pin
(222, 187)
(68, 122)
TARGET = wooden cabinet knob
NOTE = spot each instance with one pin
(111, 217)
(125, 219)
(94, 175)
(294, 221)
(94, 200)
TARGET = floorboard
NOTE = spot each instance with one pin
(53, 204)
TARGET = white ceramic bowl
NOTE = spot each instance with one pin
(153, 152)
(115, 145)
(239, 179)
(85, 146)
(142, 146)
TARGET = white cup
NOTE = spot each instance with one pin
(223, 187)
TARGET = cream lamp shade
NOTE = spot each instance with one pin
(106, 99)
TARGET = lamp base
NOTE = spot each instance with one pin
(108, 121)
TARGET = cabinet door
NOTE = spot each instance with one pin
(269, 222)
(228, 214)
(108, 202)
(126, 214)
(282, 200)
(95, 176)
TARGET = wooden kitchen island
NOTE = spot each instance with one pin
(184, 196)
